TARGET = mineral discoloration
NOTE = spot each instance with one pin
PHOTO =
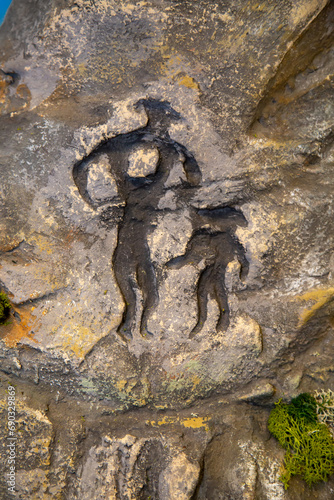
(166, 238)
(65, 272)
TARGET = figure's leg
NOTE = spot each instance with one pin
(203, 290)
(148, 284)
(126, 287)
(221, 297)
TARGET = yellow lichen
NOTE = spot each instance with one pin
(189, 422)
(188, 82)
(319, 298)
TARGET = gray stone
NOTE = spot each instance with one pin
(32, 436)
(119, 469)
(166, 237)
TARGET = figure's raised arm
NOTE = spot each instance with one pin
(196, 250)
(96, 184)
(80, 177)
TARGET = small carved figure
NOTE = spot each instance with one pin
(217, 249)
(141, 194)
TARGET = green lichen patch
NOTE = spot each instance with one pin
(309, 444)
(4, 307)
(325, 407)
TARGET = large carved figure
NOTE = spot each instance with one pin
(141, 193)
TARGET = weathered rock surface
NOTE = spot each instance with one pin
(166, 237)
(32, 449)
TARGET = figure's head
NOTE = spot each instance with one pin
(160, 114)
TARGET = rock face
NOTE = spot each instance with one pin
(166, 237)
(133, 471)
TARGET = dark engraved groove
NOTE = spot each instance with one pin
(131, 260)
(217, 249)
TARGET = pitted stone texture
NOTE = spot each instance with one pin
(193, 110)
(101, 185)
(143, 161)
(174, 160)
(130, 468)
(245, 462)
(33, 435)
(179, 479)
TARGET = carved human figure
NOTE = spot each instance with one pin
(217, 249)
(141, 194)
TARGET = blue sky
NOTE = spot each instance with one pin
(4, 4)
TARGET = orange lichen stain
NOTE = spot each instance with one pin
(190, 422)
(82, 69)
(188, 82)
(13, 100)
(10, 243)
(23, 93)
(43, 243)
(13, 331)
(319, 298)
(175, 67)
(163, 421)
(121, 384)
(79, 342)
(3, 91)
(195, 380)
(196, 422)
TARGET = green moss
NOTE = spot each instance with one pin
(4, 307)
(309, 444)
(304, 406)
